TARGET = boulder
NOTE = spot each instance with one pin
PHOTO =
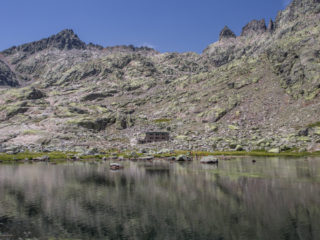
(239, 148)
(164, 150)
(42, 158)
(146, 158)
(274, 150)
(98, 124)
(115, 166)
(303, 132)
(209, 160)
(35, 94)
(97, 95)
(182, 158)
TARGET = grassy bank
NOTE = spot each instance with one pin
(258, 153)
(58, 156)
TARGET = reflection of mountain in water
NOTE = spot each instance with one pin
(162, 201)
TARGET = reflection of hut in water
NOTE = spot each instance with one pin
(155, 137)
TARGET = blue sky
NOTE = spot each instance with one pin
(167, 25)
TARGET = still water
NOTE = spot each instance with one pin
(238, 199)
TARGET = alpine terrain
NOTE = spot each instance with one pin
(256, 91)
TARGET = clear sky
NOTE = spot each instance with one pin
(166, 25)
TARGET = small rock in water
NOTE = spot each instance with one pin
(182, 158)
(75, 158)
(115, 166)
(42, 158)
(209, 160)
(146, 158)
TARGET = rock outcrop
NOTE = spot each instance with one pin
(7, 77)
(65, 40)
(226, 33)
(271, 26)
(254, 27)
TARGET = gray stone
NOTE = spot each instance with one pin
(254, 27)
(274, 150)
(115, 166)
(35, 94)
(209, 160)
(182, 158)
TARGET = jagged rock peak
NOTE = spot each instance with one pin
(226, 33)
(271, 26)
(130, 48)
(254, 27)
(64, 40)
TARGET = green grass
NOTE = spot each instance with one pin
(58, 157)
(256, 153)
(32, 155)
(316, 124)
(162, 120)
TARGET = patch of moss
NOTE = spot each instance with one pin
(162, 120)
(256, 153)
(316, 124)
(31, 132)
(32, 155)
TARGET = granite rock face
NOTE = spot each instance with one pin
(254, 27)
(271, 26)
(7, 77)
(226, 33)
(254, 91)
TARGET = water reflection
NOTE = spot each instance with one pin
(271, 199)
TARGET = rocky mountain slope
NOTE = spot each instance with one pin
(259, 90)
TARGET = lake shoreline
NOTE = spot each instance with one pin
(131, 155)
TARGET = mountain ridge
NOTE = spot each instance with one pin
(259, 90)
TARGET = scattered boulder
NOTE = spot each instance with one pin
(99, 124)
(182, 158)
(164, 150)
(78, 110)
(209, 160)
(303, 132)
(35, 94)
(274, 150)
(115, 166)
(231, 85)
(42, 158)
(146, 158)
(239, 148)
(124, 121)
(94, 96)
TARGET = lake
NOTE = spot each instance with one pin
(273, 198)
